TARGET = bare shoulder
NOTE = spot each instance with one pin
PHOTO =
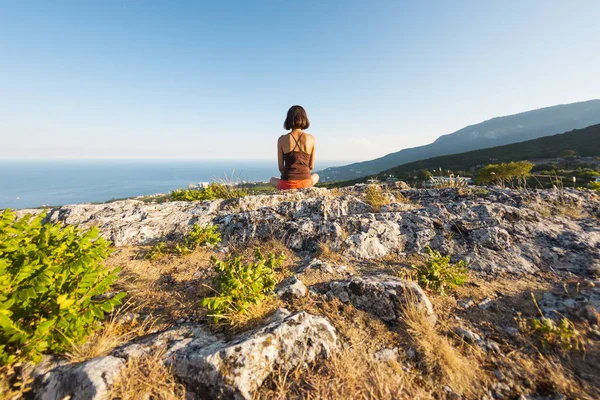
(309, 138)
(281, 138)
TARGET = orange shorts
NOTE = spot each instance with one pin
(295, 184)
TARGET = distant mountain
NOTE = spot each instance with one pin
(494, 132)
(584, 142)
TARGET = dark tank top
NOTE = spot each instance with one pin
(296, 164)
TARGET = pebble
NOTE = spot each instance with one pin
(466, 303)
(486, 304)
(512, 332)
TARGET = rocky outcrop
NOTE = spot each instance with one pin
(209, 365)
(236, 369)
(493, 229)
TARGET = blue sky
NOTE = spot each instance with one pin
(200, 79)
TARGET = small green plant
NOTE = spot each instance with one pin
(563, 335)
(595, 186)
(439, 274)
(198, 236)
(211, 192)
(239, 285)
(50, 275)
(481, 192)
(157, 251)
(375, 197)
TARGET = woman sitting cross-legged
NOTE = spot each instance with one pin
(295, 153)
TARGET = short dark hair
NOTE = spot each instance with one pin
(296, 118)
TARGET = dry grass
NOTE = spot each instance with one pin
(375, 197)
(350, 374)
(14, 383)
(147, 378)
(326, 253)
(440, 357)
(253, 318)
(116, 331)
(165, 290)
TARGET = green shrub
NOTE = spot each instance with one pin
(438, 273)
(239, 285)
(595, 186)
(199, 236)
(49, 277)
(157, 251)
(563, 335)
(504, 173)
(212, 192)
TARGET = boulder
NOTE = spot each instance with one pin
(382, 295)
(291, 288)
(235, 369)
(89, 380)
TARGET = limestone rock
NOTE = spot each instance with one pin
(382, 295)
(234, 370)
(85, 381)
(291, 288)
(503, 231)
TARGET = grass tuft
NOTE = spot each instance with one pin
(147, 378)
(375, 197)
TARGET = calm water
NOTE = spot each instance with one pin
(32, 183)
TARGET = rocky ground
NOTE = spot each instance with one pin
(349, 321)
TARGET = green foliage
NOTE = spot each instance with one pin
(212, 192)
(239, 285)
(481, 191)
(198, 236)
(49, 276)
(505, 173)
(563, 336)
(438, 273)
(157, 251)
(595, 186)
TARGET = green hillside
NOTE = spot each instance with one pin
(583, 142)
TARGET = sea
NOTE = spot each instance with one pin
(35, 183)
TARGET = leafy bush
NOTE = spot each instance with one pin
(504, 173)
(157, 251)
(239, 285)
(375, 197)
(49, 277)
(438, 273)
(595, 186)
(198, 236)
(212, 192)
(562, 335)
